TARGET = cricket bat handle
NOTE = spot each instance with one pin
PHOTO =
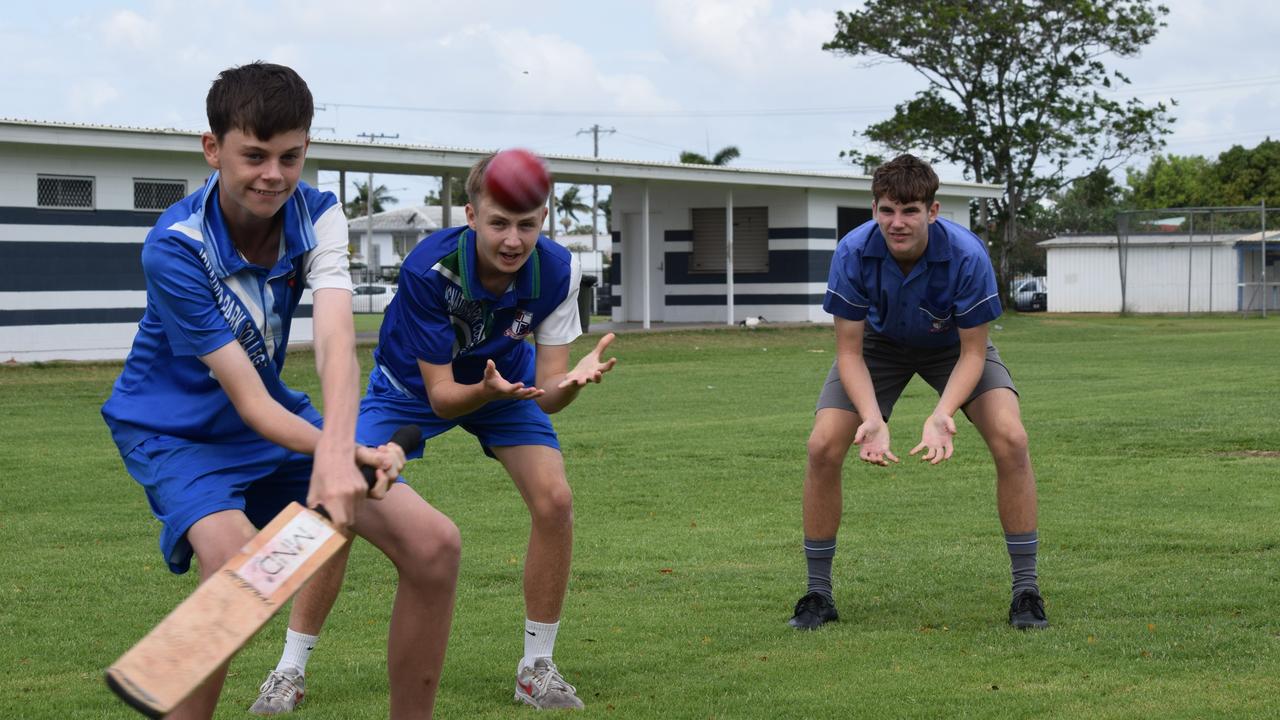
(407, 437)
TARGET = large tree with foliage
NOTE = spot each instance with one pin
(1247, 176)
(1170, 181)
(1016, 92)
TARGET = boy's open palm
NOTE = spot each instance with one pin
(498, 387)
(590, 369)
(872, 440)
(935, 439)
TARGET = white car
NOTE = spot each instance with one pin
(1031, 294)
(372, 297)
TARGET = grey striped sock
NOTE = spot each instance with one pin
(1022, 559)
(818, 554)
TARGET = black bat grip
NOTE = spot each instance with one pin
(407, 437)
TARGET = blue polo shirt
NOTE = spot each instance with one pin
(201, 295)
(951, 286)
(442, 314)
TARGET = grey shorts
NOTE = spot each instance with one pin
(892, 365)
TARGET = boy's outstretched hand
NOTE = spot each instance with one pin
(589, 369)
(872, 440)
(935, 439)
(497, 386)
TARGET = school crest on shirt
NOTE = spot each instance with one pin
(937, 324)
(521, 325)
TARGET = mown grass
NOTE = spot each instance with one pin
(1154, 441)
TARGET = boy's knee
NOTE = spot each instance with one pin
(826, 450)
(1010, 443)
(554, 505)
(434, 552)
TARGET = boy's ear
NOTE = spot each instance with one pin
(209, 144)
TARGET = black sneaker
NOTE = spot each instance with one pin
(1027, 611)
(812, 611)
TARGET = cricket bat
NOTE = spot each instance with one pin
(216, 620)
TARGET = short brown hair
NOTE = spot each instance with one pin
(261, 99)
(475, 180)
(905, 179)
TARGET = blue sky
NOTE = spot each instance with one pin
(667, 75)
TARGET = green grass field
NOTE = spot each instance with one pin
(1155, 441)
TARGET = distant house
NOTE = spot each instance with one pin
(390, 236)
(1165, 272)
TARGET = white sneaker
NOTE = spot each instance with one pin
(543, 687)
(281, 693)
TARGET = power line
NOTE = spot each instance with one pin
(763, 112)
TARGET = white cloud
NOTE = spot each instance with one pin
(89, 96)
(129, 29)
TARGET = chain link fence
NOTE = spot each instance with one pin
(1223, 257)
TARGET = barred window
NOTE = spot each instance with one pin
(157, 194)
(54, 191)
(750, 240)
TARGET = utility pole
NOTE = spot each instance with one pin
(595, 131)
(372, 263)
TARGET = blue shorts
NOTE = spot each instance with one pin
(502, 423)
(186, 481)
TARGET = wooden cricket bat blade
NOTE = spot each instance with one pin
(216, 620)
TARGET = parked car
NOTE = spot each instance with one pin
(1031, 295)
(372, 297)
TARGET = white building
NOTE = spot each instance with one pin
(383, 240)
(1166, 272)
(77, 201)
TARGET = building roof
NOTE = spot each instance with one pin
(1148, 239)
(416, 218)
(406, 159)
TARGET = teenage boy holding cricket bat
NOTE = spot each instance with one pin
(200, 413)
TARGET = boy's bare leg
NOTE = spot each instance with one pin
(215, 538)
(312, 604)
(828, 445)
(425, 547)
(998, 418)
(538, 472)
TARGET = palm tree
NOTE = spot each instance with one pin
(724, 157)
(357, 206)
(569, 205)
(458, 198)
(606, 207)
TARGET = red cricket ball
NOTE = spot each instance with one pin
(517, 180)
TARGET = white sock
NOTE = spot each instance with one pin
(539, 641)
(297, 649)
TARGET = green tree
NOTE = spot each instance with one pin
(1016, 92)
(1172, 181)
(1248, 176)
(726, 155)
(458, 197)
(1088, 205)
(569, 204)
(606, 207)
(357, 206)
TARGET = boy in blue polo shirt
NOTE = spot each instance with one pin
(200, 413)
(452, 352)
(913, 293)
